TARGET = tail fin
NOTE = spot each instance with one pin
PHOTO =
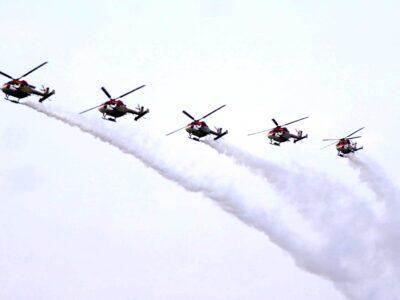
(141, 112)
(300, 136)
(47, 94)
(220, 134)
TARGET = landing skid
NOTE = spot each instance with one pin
(354, 151)
(216, 138)
(275, 143)
(109, 119)
(14, 101)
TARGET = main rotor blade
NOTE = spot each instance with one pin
(189, 115)
(294, 121)
(275, 122)
(34, 69)
(212, 112)
(355, 132)
(351, 138)
(138, 88)
(329, 145)
(106, 92)
(82, 112)
(176, 130)
(257, 132)
(6, 75)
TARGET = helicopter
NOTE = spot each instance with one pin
(345, 145)
(19, 89)
(115, 108)
(200, 129)
(281, 134)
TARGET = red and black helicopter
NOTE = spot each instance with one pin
(345, 145)
(19, 89)
(200, 129)
(281, 134)
(115, 108)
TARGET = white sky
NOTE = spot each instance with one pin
(75, 226)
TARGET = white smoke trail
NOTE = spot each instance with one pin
(312, 192)
(371, 173)
(251, 205)
(244, 195)
(335, 210)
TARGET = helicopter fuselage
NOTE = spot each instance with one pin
(198, 128)
(345, 146)
(114, 108)
(279, 134)
(17, 88)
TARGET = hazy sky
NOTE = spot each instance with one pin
(81, 220)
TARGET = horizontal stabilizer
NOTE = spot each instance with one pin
(142, 114)
(47, 96)
(300, 138)
(362, 147)
(221, 135)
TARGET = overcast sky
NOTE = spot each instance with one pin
(82, 220)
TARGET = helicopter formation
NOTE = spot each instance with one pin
(17, 89)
